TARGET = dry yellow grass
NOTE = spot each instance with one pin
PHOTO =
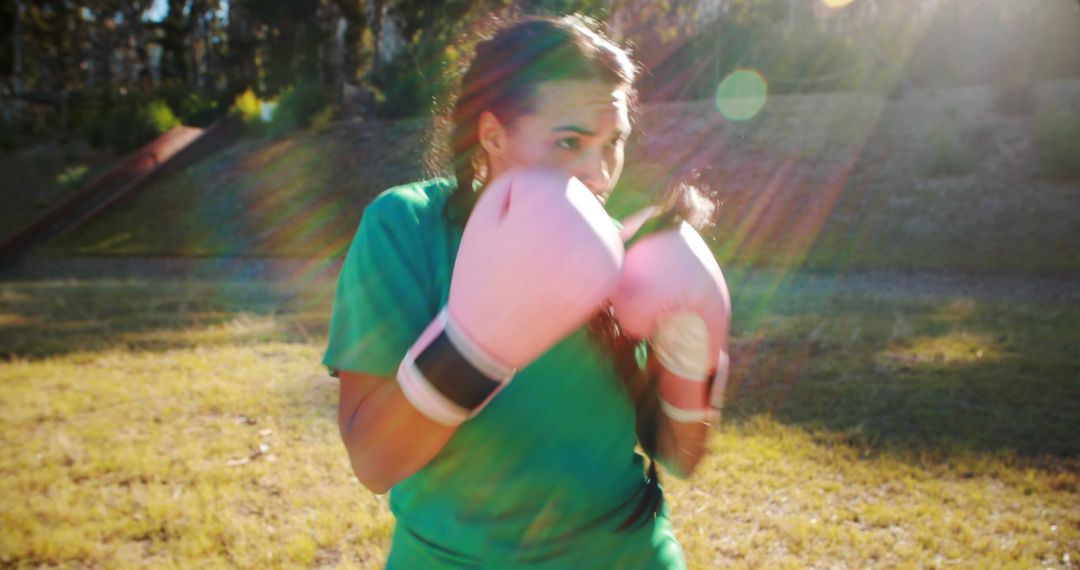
(220, 456)
(157, 424)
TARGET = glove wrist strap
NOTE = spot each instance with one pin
(448, 378)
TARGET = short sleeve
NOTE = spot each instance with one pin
(384, 293)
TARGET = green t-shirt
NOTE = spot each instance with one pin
(543, 476)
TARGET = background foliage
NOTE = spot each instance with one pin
(394, 58)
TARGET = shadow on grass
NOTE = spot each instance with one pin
(930, 373)
(919, 377)
(51, 318)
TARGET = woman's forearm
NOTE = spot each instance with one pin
(682, 445)
(386, 437)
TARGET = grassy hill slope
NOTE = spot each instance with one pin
(34, 178)
(938, 180)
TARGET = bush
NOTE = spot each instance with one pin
(402, 93)
(197, 110)
(156, 118)
(130, 124)
(324, 118)
(296, 106)
(95, 131)
(1057, 143)
(73, 176)
(945, 154)
(9, 136)
(248, 108)
(191, 107)
(25, 129)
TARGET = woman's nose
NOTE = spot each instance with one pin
(593, 173)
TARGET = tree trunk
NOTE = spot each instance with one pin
(17, 39)
(195, 23)
(356, 19)
(174, 56)
(239, 64)
(378, 11)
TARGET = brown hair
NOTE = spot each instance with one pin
(504, 75)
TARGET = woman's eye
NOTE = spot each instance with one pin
(569, 143)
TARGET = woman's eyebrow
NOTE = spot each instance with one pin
(620, 133)
(575, 129)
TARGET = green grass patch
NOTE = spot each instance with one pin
(180, 423)
(1057, 139)
(946, 153)
(38, 177)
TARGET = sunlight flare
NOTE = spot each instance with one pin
(741, 95)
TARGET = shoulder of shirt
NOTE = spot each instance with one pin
(416, 200)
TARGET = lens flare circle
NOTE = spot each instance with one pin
(741, 95)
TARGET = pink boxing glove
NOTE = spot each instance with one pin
(673, 293)
(538, 257)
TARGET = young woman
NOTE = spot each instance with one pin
(436, 312)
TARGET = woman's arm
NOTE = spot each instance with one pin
(680, 445)
(386, 437)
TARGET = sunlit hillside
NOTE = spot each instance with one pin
(934, 180)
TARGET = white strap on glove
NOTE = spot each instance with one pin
(681, 342)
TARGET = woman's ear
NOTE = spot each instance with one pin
(492, 137)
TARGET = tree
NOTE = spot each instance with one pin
(290, 38)
(176, 27)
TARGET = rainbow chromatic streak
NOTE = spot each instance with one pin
(761, 224)
(284, 193)
(778, 191)
(286, 205)
(300, 221)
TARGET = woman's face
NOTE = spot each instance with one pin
(577, 126)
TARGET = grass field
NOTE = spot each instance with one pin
(873, 421)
